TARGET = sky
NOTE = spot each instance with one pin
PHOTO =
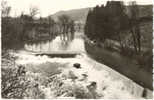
(48, 7)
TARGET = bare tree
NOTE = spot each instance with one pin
(135, 28)
(67, 27)
(5, 9)
(51, 26)
(72, 28)
(64, 22)
(33, 11)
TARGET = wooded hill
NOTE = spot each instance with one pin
(81, 14)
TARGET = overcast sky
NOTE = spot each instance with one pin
(48, 7)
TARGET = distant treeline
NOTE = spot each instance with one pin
(22, 29)
(27, 28)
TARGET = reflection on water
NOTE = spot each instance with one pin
(56, 45)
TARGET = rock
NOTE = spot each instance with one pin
(85, 75)
(104, 88)
(77, 65)
(92, 86)
(60, 84)
(145, 92)
(72, 75)
(21, 70)
(36, 85)
(84, 78)
(92, 90)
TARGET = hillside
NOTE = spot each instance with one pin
(75, 14)
(81, 14)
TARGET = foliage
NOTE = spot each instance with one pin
(123, 25)
(106, 22)
(13, 83)
(15, 80)
(117, 22)
(146, 60)
(12, 30)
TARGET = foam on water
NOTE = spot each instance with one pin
(109, 83)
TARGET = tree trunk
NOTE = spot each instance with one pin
(121, 44)
(134, 40)
(138, 38)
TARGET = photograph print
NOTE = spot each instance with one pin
(76, 49)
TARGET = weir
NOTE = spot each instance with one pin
(59, 54)
(54, 49)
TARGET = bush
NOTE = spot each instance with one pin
(126, 51)
(146, 60)
(15, 81)
(12, 32)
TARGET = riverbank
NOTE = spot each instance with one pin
(121, 64)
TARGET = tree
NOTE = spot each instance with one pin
(5, 9)
(33, 11)
(65, 24)
(72, 29)
(87, 25)
(89, 28)
(106, 22)
(118, 21)
(135, 28)
(51, 26)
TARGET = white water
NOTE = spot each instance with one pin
(117, 86)
(110, 84)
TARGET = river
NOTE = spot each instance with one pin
(57, 45)
(110, 84)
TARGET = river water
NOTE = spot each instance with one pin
(110, 84)
(58, 45)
